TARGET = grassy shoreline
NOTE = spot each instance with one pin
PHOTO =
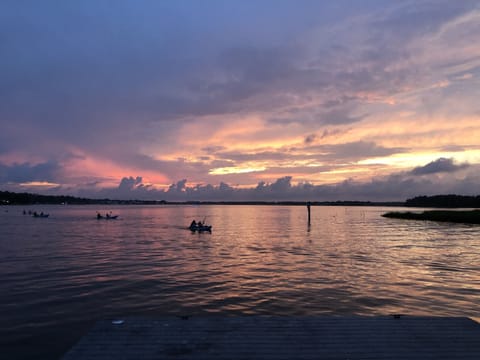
(460, 216)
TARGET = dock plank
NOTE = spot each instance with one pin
(262, 337)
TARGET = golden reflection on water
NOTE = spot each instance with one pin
(71, 269)
(257, 260)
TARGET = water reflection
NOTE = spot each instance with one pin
(257, 260)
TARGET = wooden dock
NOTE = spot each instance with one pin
(262, 337)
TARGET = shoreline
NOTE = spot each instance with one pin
(454, 216)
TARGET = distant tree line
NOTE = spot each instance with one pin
(12, 198)
(445, 201)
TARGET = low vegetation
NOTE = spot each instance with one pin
(467, 217)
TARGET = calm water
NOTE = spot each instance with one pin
(59, 275)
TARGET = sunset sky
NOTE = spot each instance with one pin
(240, 100)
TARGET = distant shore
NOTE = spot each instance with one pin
(460, 216)
(11, 198)
(436, 201)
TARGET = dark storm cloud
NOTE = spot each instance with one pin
(441, 165)
(360, 150)
(161, 58)
(314, 116)
(21, 173)
(338, 117)
(174, 168)
(83, 72)
(116, 51)
(90, 74)
(111, 78)
(353, 151)
(76, 64)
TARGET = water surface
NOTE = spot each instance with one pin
(61, 274)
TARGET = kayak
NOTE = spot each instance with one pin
(108, 217)
(201, 228)
(41, 215)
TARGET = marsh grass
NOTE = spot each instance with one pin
(456, 216)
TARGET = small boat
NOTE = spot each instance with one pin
(41, 215)
(200, 228)
(106, 217)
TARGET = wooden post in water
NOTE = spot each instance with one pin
(308, 209)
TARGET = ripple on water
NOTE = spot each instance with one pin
(55, 275)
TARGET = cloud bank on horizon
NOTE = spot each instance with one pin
(229, 100)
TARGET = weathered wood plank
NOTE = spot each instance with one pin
(276, 338)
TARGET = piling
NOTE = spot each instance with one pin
(308, 210)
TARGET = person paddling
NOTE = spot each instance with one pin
(193, 225)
